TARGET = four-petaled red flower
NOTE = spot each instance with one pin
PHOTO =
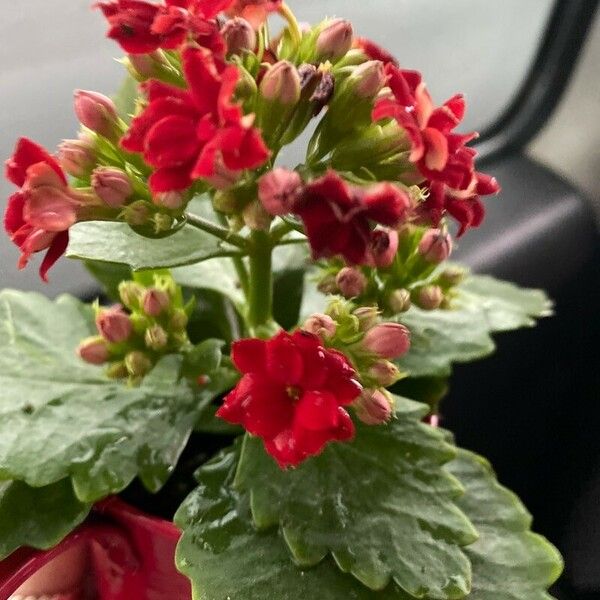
(188, 134)
(292, 395)
(337, 216)
(38, 216)
(446, 164)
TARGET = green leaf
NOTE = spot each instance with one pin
(289, 266)
(203, 359)
(118, 243)
(383, 506)
(60, 417)
(509, 561)
(482, 306)
(37, 517)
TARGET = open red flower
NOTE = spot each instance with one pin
(338, 217)
(38, 216)
(187, 134)
(254, 11)
(292, 395)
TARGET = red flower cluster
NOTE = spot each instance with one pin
(38, 216)
(445, 162)
(337, 216)
(292, 395)
(189, 134)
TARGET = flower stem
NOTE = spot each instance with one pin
(238, 263)
(260, 296)
(286, 12)
(217, 230)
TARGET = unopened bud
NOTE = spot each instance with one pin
(130, 293)
(93, 350)
(170, 200)
(373, 407)
(351, 282)
(278, 191)
(452, 276)
(179, 320)
(137, 213)
(328, 285)
(429, 297)
(388, 340)
(383, 246)
(321, 325)
(223, 178)
(435, 246)
(111, 185)
(114, 324)
(335, 39)
(399, 301)
(239, 36)
(97, 112)
(384, 372)
(368, 316)
(156, 338)
(137, 363)
(281, 84)
(117, 370)
(162, 222)
(155, 301)
(367, 79)
(77, 157)
(256, 217)
(146, 66)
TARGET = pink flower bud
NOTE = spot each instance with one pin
(388, 340)
(429, 297)
(278, 190)
(111, 185)
(113, 324)
(239, 36)
(77, 157)
(383, 247)
(373, 407)
(93, 350)
(146, 66)
(281, 84)
(156, 338)
(368, 79)
(131, 293)
(384, 372)
(368, 316)
(155, 301)
(256, 217)
(399, 301)
(137, 213)
(335, 39)
(351, 282)
(435, 246)
(321, 325)
(170, 200)
(137, 363)
(97, 112)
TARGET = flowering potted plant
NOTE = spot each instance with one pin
(270, 371)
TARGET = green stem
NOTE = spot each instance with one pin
(217, 230)
(292, 22)
(292, 241)
(238, 262)
(260, 297)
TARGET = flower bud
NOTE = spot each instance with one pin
(156, 338)
(130, 293)
(155, 301)
(179, 320)
(146, 66)
(111, 185)
(114, 324)
(452, 276)
(373, 407)
(321, 325)
(117, 370)
(351, 282)
(77, 157)
(223, 178)
(429, 297)
(93, 350)
(137, 363)
(239, 36)
(367, 79)
(256, 217)
(162, 222)
(388, 340)
(383, 246)
(335, 39)
(97, 112)
(399, 301)
(435, 246)
(281, 84)
(137, 213)
(368, 316)
(328, 285)
(278, 191)
(384, 372)
(170, 200)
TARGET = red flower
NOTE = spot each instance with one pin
(292, 395)
(186, 134)
(374, 51)
(254, 11)
(337, 216)
(38, 216)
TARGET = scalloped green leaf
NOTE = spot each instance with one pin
(382, 506)
(62, 418)
(37, 517)
(118, 243)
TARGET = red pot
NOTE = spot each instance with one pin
(120, 552)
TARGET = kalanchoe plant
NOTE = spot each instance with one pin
(282, 308)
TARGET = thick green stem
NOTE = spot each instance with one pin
(260, 296)
(238, 262)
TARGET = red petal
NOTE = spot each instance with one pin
(171, 142)
(436, 149)
(56, 250)
(283, 360)
(203, 78)
(386, 204)
(249, 355)
(374, 51)
(28, 153)
(13, 216)
(229, 110)
(316, 411)
(243, 148)
(486, 184)
(170, 180)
